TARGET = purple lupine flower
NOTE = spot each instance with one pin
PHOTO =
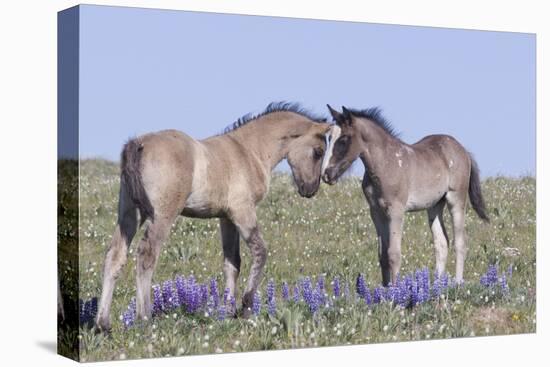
(336, 287)
(285, 292)
(93, 308)
(296, 294)
(360, 286)
(214, 293)
(189, 285)
(418, 277)
(321, 283)
(256, 304)
(509, 271)
(221, 312)
(193, 295)
(271, 306)
(127, 319)
(390, 293)
(492, 274)
(203, 295)
(418, 285)
(421, 297)
(444, 281)
(232, 304)
(319, 296)
(484, 280)
(180, 290)
(129, 316)
(408, 282)
(377, 295)
(368, 297)
(168, 299)
(396, 288)
(210, 309)
(87, 313)
(307, 288)
(426, 284)
(87, 310)
(405, 287)
(158, 306)
(226, 295)
(415, 295)
(309, 296)
(270, 289)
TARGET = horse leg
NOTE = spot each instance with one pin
(148, 253)
(116, 255)
(440, 238)
(457, 206)
(395, 232)
(382, 232)
(248, 228)
(231, 255)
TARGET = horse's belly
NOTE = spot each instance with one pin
(420, 201)
(199, 206)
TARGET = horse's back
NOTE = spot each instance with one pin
(438, 141)
(201, 178)
(444, 148)
(169, 148)
(241, 172)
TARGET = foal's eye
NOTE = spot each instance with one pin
(318, 153)
(341, 144)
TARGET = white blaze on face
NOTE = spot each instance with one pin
(333, 135)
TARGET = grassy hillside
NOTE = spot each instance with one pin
(331, 234)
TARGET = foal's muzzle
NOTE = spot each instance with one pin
(308, 190)
(330, 176)
(333, 173)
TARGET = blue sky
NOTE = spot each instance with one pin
(143, 70)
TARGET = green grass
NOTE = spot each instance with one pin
(331, 234)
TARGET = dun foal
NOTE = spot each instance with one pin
(400, 177)
(167, 174)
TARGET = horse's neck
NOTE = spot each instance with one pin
(267, 138)
(377, 146)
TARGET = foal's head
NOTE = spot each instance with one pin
(344, 145)
(305, 157)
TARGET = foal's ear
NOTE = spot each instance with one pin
(347, 115)
(337, 116)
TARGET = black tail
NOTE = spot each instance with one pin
(131, 174)
(476, 198)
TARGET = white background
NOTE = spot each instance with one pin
(28, 180)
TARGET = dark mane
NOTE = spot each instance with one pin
(275, 107)
(375, 115)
